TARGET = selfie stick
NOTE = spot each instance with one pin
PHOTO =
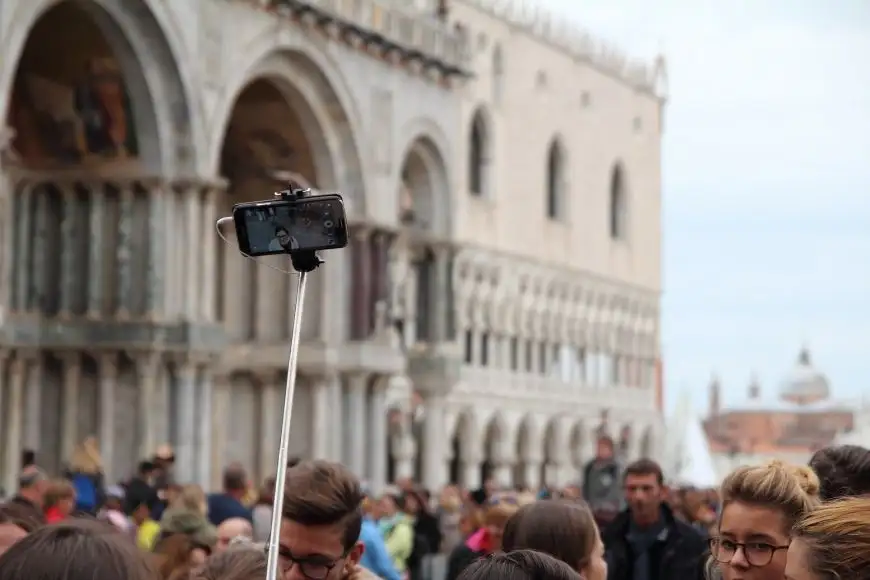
(304, 262)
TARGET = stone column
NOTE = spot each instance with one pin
(147, 369)
(337, 417)
(210, 241)
(8, 212)
(322, 425)
(502, 473)
(96, 247)
(361, 294)
(434, 448)
(532, 472)
(205, 417)
(378, 433)
(270, 433)
(192, 250)
(70, 394)
(124, 256)
(470, 476)
(13, 423)
(67, 249)
(41, 249)
(355, 443)
(108, 380)
(33, 404)
(443, 290)
(220, 408)
(23, 250)
(157, 272)
(185, 430)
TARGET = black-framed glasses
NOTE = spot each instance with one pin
(757, 554)
(313, 569)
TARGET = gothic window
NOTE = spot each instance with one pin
(618, 204)
(469, 347)
(514, 353)
(542, 357)
(484, 349)
(555, 181)
(477, 156)
(530, 356)
(497, 75)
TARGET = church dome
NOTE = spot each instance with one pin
(804, 384)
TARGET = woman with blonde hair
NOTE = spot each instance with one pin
(760, 506)
(832, 542)
(86, 475)
(485, 540)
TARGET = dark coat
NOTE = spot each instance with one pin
(679, 554)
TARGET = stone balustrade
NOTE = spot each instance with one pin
(415, 34)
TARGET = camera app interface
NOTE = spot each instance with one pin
(306, 225)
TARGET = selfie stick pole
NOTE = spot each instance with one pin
(304, 262)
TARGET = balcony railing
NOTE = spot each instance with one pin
(414, 35)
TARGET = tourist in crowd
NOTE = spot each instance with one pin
(232, 529)
(229, 503)
(235, 563)
(375, 557)
(178, 555)
(843, 471)
(60, 501)
(187, 516)
(76, 549)
(112, 511)
(427, 531)
(519, 565)
(32, 484)
(449, 515)
(397, 529)
(832, 542)
(646, 541)
(564, 530)
(86, 474)
(261, 514)
(760, 506)
(485, 540)
(602, 482)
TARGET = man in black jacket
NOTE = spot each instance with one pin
(646, 541)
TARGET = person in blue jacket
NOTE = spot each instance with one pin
(375, 558)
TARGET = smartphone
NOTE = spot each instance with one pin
(277, 226)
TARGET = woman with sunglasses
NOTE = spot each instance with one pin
(761, 505)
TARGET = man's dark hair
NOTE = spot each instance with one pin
(519, 565)
(565, 530)
(645, 466)
(293, 462)
(17, 514)
(28, 458)
(77, 549)
(322, 493)
(280, 229)
(843, 470)
(146, 467)
(235, 479)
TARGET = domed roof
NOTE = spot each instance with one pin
(804, 384)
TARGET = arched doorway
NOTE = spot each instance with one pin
(550, 467)
(462, 451)
(81, 220)
(523, 453)
(493, 450)
(577, 445)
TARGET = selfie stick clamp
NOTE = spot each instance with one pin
(304, 262)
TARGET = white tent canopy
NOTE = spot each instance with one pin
(692, 462)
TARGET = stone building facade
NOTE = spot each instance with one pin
(132, 125)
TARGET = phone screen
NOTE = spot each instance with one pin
(276, 227)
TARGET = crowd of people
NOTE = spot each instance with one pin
(766, 522)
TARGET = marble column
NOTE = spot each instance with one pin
(268, 322)
(220, 412)
(96, 248)
(322, 427)
(108, 379)
(434, 442)
(443, 291)
(361, 288)
(193, 251)
(70, 395)
(33, 404)
(23, 273)
(378, 434)
(205, 417)
(502, 474)
(67, 247)
(185, 444)
(42, 250)
(124, 252)
(532, 472)
(355, 443)
(210, 241)
(147, 369)
(8, 211)
(270, 432)
(470, 476)
(13, 423)
(157, 272)
(336, 418)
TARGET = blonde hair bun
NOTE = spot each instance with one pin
(805, 477)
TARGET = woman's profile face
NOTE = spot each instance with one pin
(596, 569)
(753, 542)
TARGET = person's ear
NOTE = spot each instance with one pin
(356, 553)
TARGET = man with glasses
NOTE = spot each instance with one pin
(646, 541)
(321, 523)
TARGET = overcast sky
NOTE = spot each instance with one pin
(766, 184)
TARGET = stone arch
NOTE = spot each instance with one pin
(124, 42)
(553, 452)
(424, 192)
(465, 445)
(525, 452)
(311, 86)
(480, 153)
(495, 437)
(556, 180)
(618, 203)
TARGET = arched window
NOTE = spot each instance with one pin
(497, 75)
(477, 156)
(618, 205)
(555, 181)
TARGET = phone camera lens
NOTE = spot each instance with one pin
(328, 224)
